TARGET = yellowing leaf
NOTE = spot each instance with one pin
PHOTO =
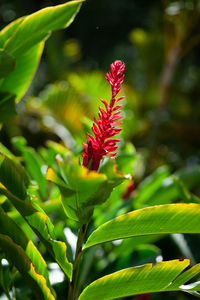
(163, 276)
(13, 184)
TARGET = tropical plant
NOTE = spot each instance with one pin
(50, 193)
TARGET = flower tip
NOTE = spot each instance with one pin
(119, 66)
(115, 77)
(104, 129)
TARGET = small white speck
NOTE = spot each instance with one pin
(168, 181)
(159, 258)
(117, 242)
(4, 262)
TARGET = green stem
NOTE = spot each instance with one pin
(73, 293)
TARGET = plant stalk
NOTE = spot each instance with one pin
(73, 293)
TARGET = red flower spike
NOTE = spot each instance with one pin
(116, 77)
(104, 128)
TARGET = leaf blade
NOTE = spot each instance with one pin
(159, 219)
(136, 280)
(7, 63)
(37, 26)
(19, 80)
(13, 184)
(24, 38)
(22, 262)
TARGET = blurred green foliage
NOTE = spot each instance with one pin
(159, 42)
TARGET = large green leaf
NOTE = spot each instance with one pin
(164, 276)
(24, 38)
(9, 228)
(9, 30)
(18, 81)
(22, 262)
(7, 63)
(13, 184)
(160, 219)
(36, 27)
(7, 106)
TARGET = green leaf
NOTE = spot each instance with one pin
(128, 246)
(13, 184)
(164, 276)
(11, 229)
(160, 219)
(9, 30)
(22, 262)
(7, 63)
(24, 38)
(82, 189)
(13, 178)
(18, 81)
(7, 106)
(64, 187)
(8, 153)
(168, 192)
(150, 185)
(36, 27)
(33, 164)
(80, 192)
(184, 192)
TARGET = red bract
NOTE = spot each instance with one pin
(104, 128)
(129, 189)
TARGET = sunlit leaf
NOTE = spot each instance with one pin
(8, 153)
(160, 219)
(82, 189)
(164, 276)
(27, 63)
(22, 262)
(13, 184)
(35, 27)
(11, 229)
(24, 38)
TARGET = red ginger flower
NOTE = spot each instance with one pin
(102, 144)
